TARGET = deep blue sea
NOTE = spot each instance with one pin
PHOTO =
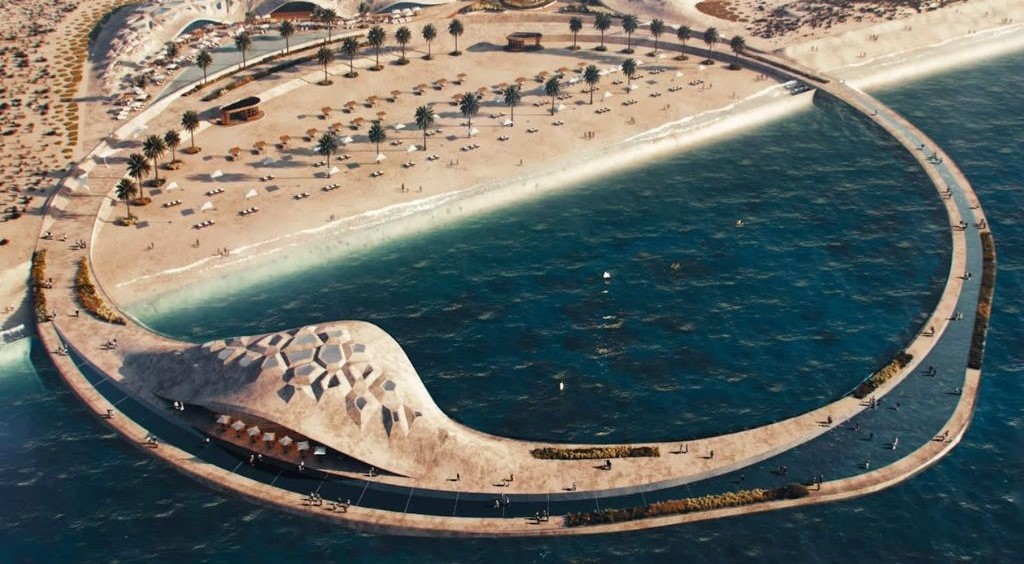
(705, 326)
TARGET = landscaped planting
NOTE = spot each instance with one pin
(90, 298)
(595, 453)
(685, 505)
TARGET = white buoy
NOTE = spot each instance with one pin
(739, 223)
(561, 386)
(607, 275)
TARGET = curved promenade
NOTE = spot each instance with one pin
(105, 381)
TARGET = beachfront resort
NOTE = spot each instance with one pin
(198, 140)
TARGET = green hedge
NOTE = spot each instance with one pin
(38, 278)
(882, 376)
(988, 287)
(685, 505)
(595, 453)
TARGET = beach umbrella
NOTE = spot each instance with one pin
(347, 140)
(507, 123)
(302, 445)
(319, 451)
(285, 441)
(607, 94)
(334, 170)
(700, 67)
(632, 87)
(381, 114)
(678, 74)
(326, 110)
(223, 419)
(473, 132)
(206, 206)
(560, 108)
(311, 132)
(253, 431)
(269, 437)
(238, 425)
(234, 151)
(285, 139)
(260, 145)
(216, 174)
(399, 126)
(395, 93)
(380, 157)
(412, 149)
(173, 186)
(461, 76)
(251, 194)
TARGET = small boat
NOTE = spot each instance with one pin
(607, 275)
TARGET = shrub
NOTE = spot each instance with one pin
(90, 298)
(686, 505)
(595, 453)
(38, 278)
(882, 376)
(988, 287)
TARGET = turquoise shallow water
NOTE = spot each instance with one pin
(756, 323)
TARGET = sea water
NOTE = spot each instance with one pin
(704, 326)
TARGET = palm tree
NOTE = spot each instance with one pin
(429, 34)
(403, 36)
(171, 50)
(591, 76)
(287, 30)
(377, 134)
(512, 95)
(738, 45)
(250, 17)
(424, 119)
(553, 88)
(602, 23)
(203, 61)
(682, 34)
(375, 37)
(629, 25)
(629, 69)
(173, 140)
(710, 38)
(364, 8)
(124, 191)
(326, 146)
(575, 25)
(138, 167)
(455, 29)
(325, 56)
(469, 105)
(329, 17)
(153, 148)
(190, 121)
(349, 48)
(242, 42)
(657, 28)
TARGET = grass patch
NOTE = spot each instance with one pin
(90, 298)
(595, 453)
(685, 505)
(988, 288)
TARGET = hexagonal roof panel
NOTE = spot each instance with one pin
(331, 355)
(298, 356)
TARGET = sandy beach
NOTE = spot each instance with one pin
(676, 104)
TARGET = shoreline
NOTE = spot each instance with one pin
(257, 262)
(375, 227)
